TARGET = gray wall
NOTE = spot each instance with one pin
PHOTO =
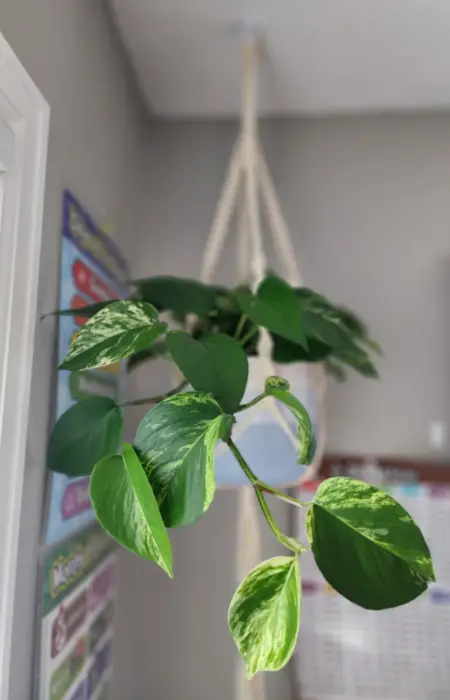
(367, 200)
(97, 130)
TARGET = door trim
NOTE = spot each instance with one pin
(24, 110)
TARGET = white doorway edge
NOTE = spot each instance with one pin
(26, 113)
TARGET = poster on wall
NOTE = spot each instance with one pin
(77, 618)
(347, 653)
(92, 270)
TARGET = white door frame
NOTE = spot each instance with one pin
(26, 114)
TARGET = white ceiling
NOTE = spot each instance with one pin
(321, 56)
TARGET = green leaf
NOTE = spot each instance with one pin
(84, 311)
(352, 322)
(334, 369)
(359, 360)
(285, 351)
(304, 428)
(126, 508)
(88, 431)
(264, 615)
(177, 294)
(121, 329)
(327, 328)
(216, 364)
(312, 449)
(176, 441)
(366, 545)
(275, 307)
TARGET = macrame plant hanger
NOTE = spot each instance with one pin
(248, 181)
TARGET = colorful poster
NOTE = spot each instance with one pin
(347, 653)
(92, 270)
(77, 623)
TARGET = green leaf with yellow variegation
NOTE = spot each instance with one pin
(366, 545)
(264, 615)
(121, 329)
(304, 428)
(176, 442)
(126, 507)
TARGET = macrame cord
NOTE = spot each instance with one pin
(247, 180)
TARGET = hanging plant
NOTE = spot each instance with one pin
(315, 330)
(366, 545)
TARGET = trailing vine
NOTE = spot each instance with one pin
(366, 545)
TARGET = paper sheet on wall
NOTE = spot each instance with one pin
(77, 618)
(346, 653)
(92, 270)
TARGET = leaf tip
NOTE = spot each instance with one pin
(167, 567)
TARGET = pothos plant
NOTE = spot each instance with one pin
(365, 544)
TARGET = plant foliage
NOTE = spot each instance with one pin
(365, 544)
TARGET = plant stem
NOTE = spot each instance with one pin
(243, 341)
(279, 494)
(288, 542)
(156, 399)
(251, 403)
(240, 326)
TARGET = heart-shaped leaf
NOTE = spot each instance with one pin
(276, 308)
(366, 545)
(183, 296)
(117, 331)
(216, 364)
(88, 431)
(126, 507)
(264, 615)
(304, 428)
(176, 441)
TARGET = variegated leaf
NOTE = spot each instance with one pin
(176, 443)
(366, 545)
(117, 331)
(126, 508)
(264, 615)
(304, 428)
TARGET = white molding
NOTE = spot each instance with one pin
(26, 113)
